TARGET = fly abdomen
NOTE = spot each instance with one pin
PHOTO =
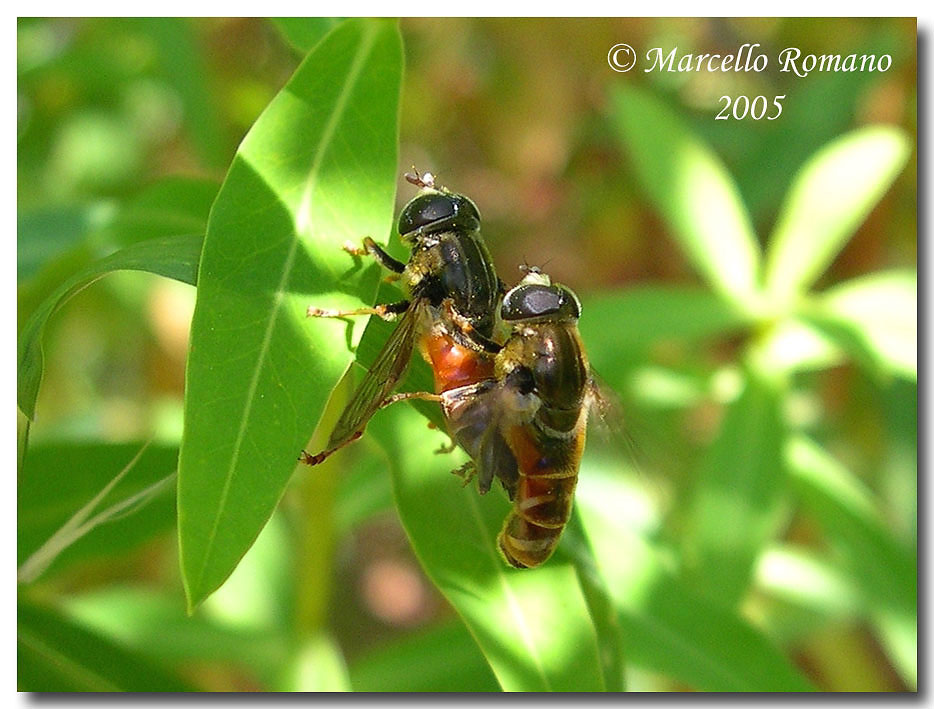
(544, 497)
(525, 545)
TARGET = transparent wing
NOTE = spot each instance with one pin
(607, 421)
(474, 415)
(380, 379)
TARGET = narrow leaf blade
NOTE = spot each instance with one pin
(733, 513)
(173, 257)
(829, 198)
(666, 627)
(693, 191)
(875, 319)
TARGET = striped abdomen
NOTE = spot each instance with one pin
(545, 493)
(548, 449)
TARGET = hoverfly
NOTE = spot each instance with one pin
(528, 424)
(450, 270)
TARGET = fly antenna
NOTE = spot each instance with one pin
(425, 181)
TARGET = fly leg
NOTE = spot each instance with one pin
(373, 250)
(318, 458)
(463, 325)
(387, 311)
(467, 472)
(449, 448)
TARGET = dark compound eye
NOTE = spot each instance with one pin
(438, 212)
(533, 301)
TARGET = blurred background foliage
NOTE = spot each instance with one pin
(125, 128)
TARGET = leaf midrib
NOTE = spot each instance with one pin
(302, 219)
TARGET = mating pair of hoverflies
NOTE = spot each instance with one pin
(510, 370)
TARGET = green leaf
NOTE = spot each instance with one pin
(317, 168)
(318, 666)
(44, 234)
(695, 194)
(666, 627)
(303, 33)
(174, 205)
(734, 510)
(883, 569)
(53, 654)
(182, 61)
(156, 626)
(795, 345)
(637, 318)
(172, 257)
(60, 479)
(533, 626)
(446, 656)
(829, 198)
(875, 319)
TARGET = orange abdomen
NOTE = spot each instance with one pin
(544, 496)
(453, 364)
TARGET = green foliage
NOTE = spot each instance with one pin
(259, 374)
(762, 530)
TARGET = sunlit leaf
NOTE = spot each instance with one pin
(694, 193)
(317, 169)
(829, 199)
(172, 257)
(666, 627)
(446, 656)
(56, 655)
(60, 479)
(875, 319)
(533, 626)
(884, 570)
(640, 317)
(303, 33)
(734, 510)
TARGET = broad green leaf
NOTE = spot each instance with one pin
(875, 319)
(666, 627)
(533, 626)
(316, 169)
(446, 657)
(638, 318)
(156, 626)
(172, 257)
(734, 510)
(882, 568)
(830, 197)
(54, 654)
(303, 33)
(59, 480)
(694, 193)
(599, 603)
